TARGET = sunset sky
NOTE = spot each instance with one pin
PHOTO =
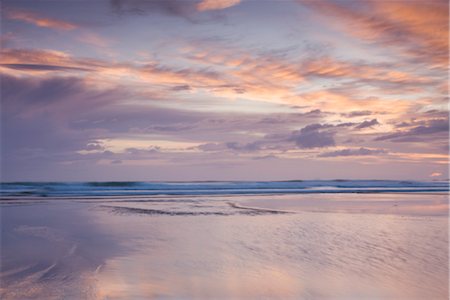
(224, 90)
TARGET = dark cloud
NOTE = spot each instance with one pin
(245, 147)
(36, 67)
(233, 146)
(291, 118)
(47, 60)
(313, 136)
(403, 125)
(366, 124)
(55, 96)
(264, 157)
(418, 133)
(437, 114)
(35, 115)
(346, 124)
(357, 113)
(268, 143)
(142, 7)
(184, 87)
(315, 127)
(314, 113)
(146, 151)
(353, 152)
(174, 8)
(211, 147)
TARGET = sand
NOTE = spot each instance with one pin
(348, 246)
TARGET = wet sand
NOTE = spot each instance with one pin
(345, 246)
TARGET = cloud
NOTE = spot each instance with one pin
(360, 71)
(353, 152)
(212, 147)
(177, 77)
(94, 39)
(435, 174)
(149, 150)
(59, 94)
(257, 77)
(169, 7)
(44, 60)
(39, 67)
(366, 124)
(357, 113)
(183, 87)
(38, 20)
(192, 11)
(313, 136)
(276, 77)
(418, 133)
(216, 4)
(236, 146)
(35, 120)
(246, 147)
(418, 29)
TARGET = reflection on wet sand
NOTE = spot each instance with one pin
(50, 251)
(205, 248)
(417, 204)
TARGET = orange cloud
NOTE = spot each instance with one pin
(35, 19)
(423, 22)
(435, 174)
(216, 4)
(278, 77)
(328, 67)
(242, 75)
(15, 56)
(94, 39)
(419, 29)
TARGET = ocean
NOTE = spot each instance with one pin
(217, 188)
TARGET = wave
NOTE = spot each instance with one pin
(113, 184)
(127, 188)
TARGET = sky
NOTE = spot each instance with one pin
(224, 90)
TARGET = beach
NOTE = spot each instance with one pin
(224, 150)
(225, 246)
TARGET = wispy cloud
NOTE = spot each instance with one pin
(38, 67)
(94, 39)
(367, 124)
(216, 4)
(193, 84)
(353, 152)
(420, 133)
(192, 11)
(417, 28)
(435, 174)
(39, 20)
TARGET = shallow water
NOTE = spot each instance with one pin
(346, 246)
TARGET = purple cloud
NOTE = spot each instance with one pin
(353, 152)
(42, 67)
(418, 133)
(367, 124)
(313, 136)
(357, 113)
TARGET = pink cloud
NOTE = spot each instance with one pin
(418, 29)
(37, 20)
(216, 4)
(435, 174)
